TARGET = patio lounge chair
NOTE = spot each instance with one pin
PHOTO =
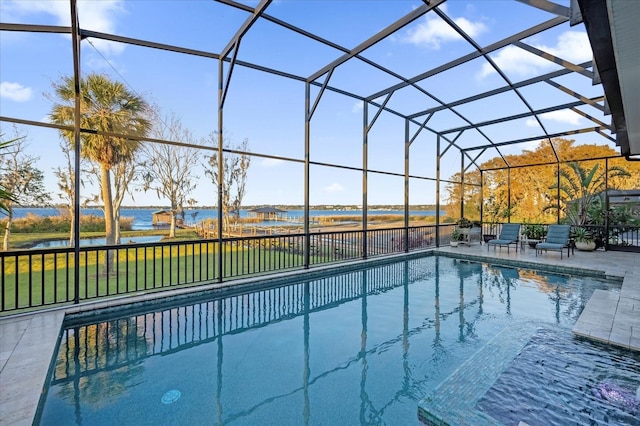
(557, 239)
(508, 235)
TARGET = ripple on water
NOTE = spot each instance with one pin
(557, 379)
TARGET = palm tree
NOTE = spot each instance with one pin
(579, 188)
(105, 106)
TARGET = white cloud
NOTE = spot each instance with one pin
(572, 46)
(93, 15)
(433, 31)
(358, 106)
(563, 116)
(15, 91)
(333, 188)
(271, 162)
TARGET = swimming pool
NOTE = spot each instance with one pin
(360, 347)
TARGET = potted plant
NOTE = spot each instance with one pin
(464, 223)
(584, 239)
(534, 233)
(464, 229)
(456, 237)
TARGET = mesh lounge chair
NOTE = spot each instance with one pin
(508, 235)
(557, 239)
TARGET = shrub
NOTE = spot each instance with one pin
(51, 224)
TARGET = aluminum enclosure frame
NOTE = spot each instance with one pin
(228, 59)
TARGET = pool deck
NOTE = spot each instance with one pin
(28, 341)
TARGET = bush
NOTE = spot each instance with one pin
(50, 224)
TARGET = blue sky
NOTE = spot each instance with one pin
(268, 110)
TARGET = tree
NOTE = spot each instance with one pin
(169, 168)
(579, 187)
(234, 179)
(470, 199)
(105, 106)
(67, 185)
(20, 177)
(532, 189)
(6, 197)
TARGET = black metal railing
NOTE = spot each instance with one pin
(44, 277)
(623, 238)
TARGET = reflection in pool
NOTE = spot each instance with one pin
(360, 347)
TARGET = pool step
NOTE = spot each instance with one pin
(454, 401)
(613, 317)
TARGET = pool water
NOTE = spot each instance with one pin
(572, 374)
(357, 348)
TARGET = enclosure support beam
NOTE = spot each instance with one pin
(451, 143)
(595, 120)
(365, 182)
(424, 123)
(438, 191)
(307, 144)
(509, 195)
(548, 6)
(407, 146)
(548, 56)
(322, 89)
(481, 197)
(473, 160)
(606, 206)
(246, 25)
(75, 40)
(220, 165)
(461, 184)
(558, 192)
(584, 99)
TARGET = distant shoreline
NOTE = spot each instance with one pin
(352, 207)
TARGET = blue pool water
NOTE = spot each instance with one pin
(358, 348)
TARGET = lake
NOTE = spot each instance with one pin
(96, 241)
(142, 217)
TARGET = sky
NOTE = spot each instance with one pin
(268, 110)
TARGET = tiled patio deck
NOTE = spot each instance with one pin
(27, 342)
